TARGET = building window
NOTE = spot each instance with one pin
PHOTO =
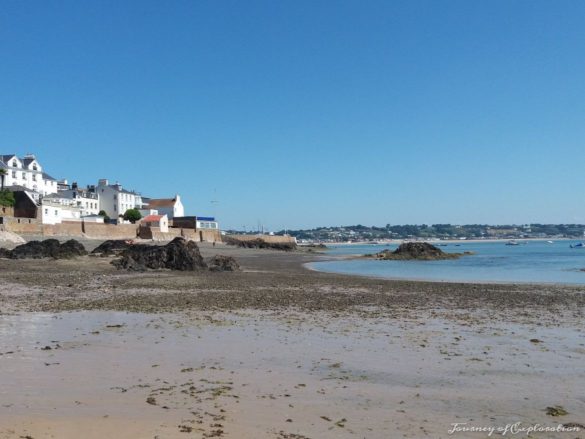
(13, 174)
(24, 175)
(14, 165)
(34, 177)
(46, 211)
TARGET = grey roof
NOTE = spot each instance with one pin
(18, 188)
(48, 177)
(123, 191)
(6, 157)
(28, 160)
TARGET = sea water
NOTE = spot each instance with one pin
(531, 261)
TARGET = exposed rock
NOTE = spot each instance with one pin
(111, 247)
(5, 253)
(49, 248)
(260, 243)
(556, 410)
(223, 263)
(71, 249)
(417, 250)
(11, 237)
(178, 254)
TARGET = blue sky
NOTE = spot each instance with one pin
(306, 113)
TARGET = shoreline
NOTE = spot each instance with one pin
(447, 241)
(278, 351)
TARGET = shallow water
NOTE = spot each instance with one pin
(536, 261)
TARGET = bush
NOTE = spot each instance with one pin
(6, 199)
(132, 215)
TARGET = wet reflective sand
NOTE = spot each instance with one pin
(253, 374)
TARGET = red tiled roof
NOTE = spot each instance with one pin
(161, 202)
(152, 218)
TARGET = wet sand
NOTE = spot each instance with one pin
(278, 351)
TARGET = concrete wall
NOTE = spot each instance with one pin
(155, 233)
(65, 228)
(21, 225)
(6, 211)
(110, 231)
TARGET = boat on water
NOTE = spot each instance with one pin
(512, 242)
(550, 242)
(578, 245)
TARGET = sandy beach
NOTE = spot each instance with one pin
(280, 351)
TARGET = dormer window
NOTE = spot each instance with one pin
(35, 168)
(14, 165)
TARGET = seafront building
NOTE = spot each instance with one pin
(172, 207)
(27, 172)
(114, 199)
(41, 200)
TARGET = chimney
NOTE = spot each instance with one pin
(74, 185)
(103, 182)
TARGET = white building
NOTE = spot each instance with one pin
(207, 222)
(114, 200)
(55, 211)
(160, 221)
(84, 199)
(28, 173)
(171, 207)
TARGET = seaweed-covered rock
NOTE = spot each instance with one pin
(111, 247)
(5, 253)
(223, 263)
(178, 254)
(417, 250)
(260, 243)
(49, 248)
(71, 249)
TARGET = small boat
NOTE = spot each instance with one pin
(578, 245)
(512, 242)
(550, 242)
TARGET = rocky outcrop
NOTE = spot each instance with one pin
(49, 248)
(260, 243)
(223, 263)
(111, 247)
(422, 251)
(178, 254)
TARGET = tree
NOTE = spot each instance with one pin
(132, 215)
(3, 173)
(6, 198)
(105, 215)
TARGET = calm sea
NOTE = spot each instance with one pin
(536, 261)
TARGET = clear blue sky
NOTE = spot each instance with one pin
(306, 113)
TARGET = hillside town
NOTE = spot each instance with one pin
(32, 201)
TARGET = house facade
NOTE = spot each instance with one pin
(114, 199)
(55, 210)
(28, 173)
(160, 221)
(172, 207)
(84, 199)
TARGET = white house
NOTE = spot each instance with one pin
(171, 207)
(28, 173)
(55, 211)
(115, 200)
(84, 199)
(160, 221)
